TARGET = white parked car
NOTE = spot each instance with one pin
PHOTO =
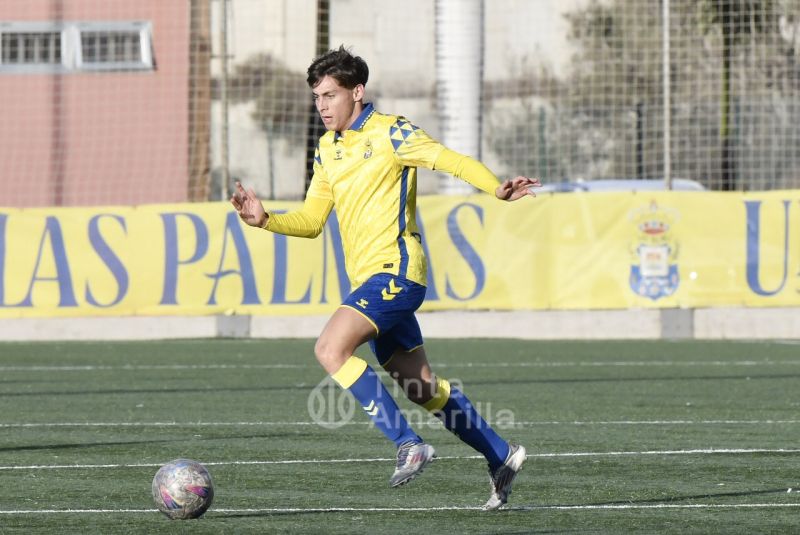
(613, 184)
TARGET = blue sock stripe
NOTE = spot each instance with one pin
(381, 407)
(461, 417)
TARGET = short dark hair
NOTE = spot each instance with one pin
(348, 70)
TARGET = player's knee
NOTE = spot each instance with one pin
(321, 350)
(329, 355)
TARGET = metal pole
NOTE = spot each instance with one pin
(200, 53)
(459, 77)
(542, 144)
(315, 128)
(640, 140)
(223, 96)
(667, 97)
(270, 159)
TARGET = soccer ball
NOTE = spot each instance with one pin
(183, 489)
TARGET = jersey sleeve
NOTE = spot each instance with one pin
(467, 169)
(320, 186)
(412, 145)
(309, 221)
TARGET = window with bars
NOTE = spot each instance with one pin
(111, 47)
(27, 47)
(31, 47)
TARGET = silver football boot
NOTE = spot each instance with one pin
(412, 458)
(503, 478)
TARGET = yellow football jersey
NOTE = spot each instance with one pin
(369, 173)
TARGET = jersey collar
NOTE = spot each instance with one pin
(358, 124)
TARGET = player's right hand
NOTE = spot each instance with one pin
(248, 206)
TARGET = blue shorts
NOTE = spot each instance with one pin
(389, 303)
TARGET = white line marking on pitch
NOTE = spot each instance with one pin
(90, 367)
(26, 425)
(623, 363)
(662, 422)
(567, 364)
(162, 424)
(707, 451)
(280, 510)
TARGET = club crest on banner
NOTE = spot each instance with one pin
(654, 252)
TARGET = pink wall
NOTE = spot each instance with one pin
(98, 138)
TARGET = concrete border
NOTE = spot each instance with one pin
(645, 324)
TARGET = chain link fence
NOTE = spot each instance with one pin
(571, 90)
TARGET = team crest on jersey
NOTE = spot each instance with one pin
(368, 149)
(338, 154)
(654, 252)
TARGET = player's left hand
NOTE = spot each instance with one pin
(516, 188)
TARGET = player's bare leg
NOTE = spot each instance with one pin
(335, 348)
(411, 370)
(341, 336)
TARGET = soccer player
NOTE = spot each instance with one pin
(365, 167)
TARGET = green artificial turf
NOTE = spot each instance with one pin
(641, 437)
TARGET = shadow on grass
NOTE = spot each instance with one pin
(168, 391)
(691, 497)
(84, 445)
(477, 513)
(668, 500)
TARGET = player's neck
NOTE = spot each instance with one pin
(359, 107)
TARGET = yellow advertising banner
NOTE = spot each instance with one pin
(558, 251)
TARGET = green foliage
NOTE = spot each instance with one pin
(741, 20)
(734, 73)
(513, 133)
(278, 92)
(590, 116)
(619, 46)
(521, 135)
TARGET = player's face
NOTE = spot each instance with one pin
(338, 106)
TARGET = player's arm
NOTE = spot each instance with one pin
(307, 222)
(475, 173)
(412, 146)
